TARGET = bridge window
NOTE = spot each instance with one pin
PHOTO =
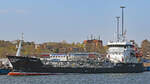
(125, 46)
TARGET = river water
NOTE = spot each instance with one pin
(130, 78)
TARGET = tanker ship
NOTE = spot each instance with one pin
(120, 58)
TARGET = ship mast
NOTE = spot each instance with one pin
(118, 33)
(123, 36)
(20, 46)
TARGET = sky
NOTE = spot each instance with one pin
(72, 20)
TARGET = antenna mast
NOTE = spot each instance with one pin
(118, 38)
(122, 7)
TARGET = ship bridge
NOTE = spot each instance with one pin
(121, 52)
(117, 43)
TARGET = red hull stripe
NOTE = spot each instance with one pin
(28, 74)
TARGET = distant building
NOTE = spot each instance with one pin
(94, 42)
(40, 46)
(93, 45)
(37, 46)
(15, 41)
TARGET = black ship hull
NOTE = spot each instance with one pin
(34, 65)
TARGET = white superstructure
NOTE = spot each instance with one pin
(121, 52)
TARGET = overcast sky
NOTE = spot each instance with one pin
(72, 20)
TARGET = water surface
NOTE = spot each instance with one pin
(134, 78)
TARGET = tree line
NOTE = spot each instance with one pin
(33, 49)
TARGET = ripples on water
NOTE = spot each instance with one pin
(134, 78)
